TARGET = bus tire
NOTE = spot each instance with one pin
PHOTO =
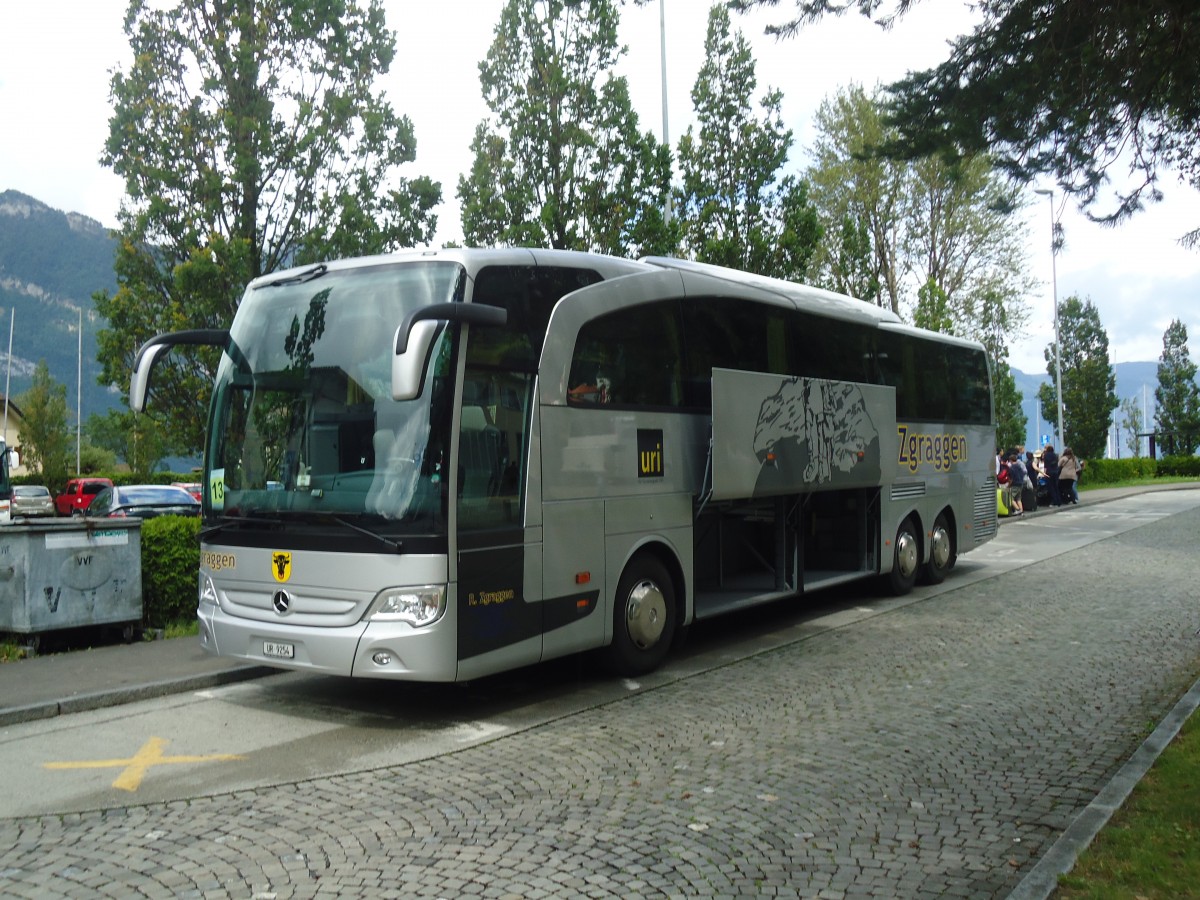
(643, 618)
(941, 552)
(906, 558)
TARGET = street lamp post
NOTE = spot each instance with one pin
(662, 37)
(1062, 438)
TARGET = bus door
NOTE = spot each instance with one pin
(499, 546)
(499, 618)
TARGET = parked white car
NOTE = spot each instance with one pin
(31, 500)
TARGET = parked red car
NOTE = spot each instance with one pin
(78, 493)
(192, 487)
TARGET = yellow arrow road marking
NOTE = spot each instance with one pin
(136, 766)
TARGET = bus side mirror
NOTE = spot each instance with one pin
(408, 365)
(414, 340)
(153, 350)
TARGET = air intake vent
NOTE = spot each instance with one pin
(908, 490)
(985, 511)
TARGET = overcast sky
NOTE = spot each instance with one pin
(55, 56)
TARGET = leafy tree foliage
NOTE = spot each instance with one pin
(850, 263)
(1177, 397)
(1130, 422)
(93, 459)
(134, 437)
(931, 225)
(1088, 381)
(1057, 88)
(45, 441)
(1011, 422)
(932, 311)
(735, 209)
(249, 138)
(561, 162)
(859, 201)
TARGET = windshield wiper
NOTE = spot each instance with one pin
(226, 521)
(396, 546)
(299, 278)
(301, 516)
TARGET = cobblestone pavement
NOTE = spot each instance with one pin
(936, 750)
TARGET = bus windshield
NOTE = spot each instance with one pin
(303, 422)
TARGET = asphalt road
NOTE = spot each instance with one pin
(845, 745)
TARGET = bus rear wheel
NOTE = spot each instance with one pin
(643, 618)
(906, 559)
(941, 552)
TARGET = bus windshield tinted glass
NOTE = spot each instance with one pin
(303, 418)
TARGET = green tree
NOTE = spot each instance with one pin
(1130, 423)
(962, 234)
(560, 162)
(1054, 88)
(45, 441)
(1011, 422)
(850, 256)
(249, 137)
(735, 209)
(858, 200)
(932, 311)
(1177, 398)
(95, 460)
(134, 437)
(1088, 381)
(930, 223)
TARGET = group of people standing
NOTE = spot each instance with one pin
(1019, 472)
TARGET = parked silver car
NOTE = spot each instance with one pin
(31, 500)
(145, 501)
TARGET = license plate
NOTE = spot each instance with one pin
(278, 651)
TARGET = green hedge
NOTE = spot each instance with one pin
(1179, 466)
(1111, 471)
(116, 478)
(170, 568)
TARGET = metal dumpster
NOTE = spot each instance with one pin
(70, 574)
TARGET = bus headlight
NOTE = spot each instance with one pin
(208, 591)
(415, 605)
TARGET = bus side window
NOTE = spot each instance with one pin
(971, 386)
(588, 385)
(631, 357)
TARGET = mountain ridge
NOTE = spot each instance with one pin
(50, 264)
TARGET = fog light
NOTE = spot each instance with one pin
(382, 658)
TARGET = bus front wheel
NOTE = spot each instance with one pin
(906, 559)
(941, 552)
(643, 618)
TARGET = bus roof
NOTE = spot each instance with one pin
(472, 259)
(800, 296)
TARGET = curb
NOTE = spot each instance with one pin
(117, 696)
(1042, 879)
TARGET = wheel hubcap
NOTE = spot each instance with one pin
(906, 553)
(645, 614)
(939, 551)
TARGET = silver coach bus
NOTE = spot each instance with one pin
(438, 465)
